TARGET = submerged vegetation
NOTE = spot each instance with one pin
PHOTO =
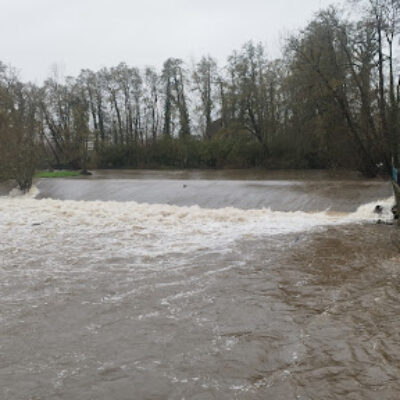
(330, 101)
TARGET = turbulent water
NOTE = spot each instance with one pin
(279, 287)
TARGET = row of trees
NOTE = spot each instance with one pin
(331, 100)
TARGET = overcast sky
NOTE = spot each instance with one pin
(76, 34)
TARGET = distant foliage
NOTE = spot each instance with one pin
(331, 101)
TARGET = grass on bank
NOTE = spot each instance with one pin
(56, 174)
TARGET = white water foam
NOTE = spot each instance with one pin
(31, 194)
(115, 230)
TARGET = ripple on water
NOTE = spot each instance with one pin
(102, 300)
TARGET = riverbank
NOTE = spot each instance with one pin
(216, 173)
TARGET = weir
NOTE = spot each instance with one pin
(234, 301)
(293, 191)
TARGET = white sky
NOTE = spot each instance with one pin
(76, 34)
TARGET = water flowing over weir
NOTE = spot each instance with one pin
(279, 192)
(126, 300)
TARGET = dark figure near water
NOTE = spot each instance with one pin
(378, 209)
(395, 213)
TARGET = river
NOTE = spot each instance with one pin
(199, 285)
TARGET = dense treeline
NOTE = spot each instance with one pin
(331, 100)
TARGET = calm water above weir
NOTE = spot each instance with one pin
(278, 190)
(226, 285)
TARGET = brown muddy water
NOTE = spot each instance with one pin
(152, 285)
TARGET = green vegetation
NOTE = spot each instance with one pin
(190, 152)
(56, 174)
